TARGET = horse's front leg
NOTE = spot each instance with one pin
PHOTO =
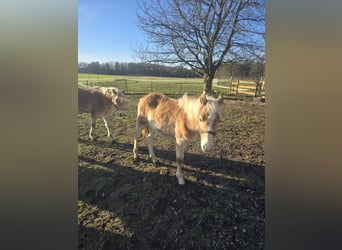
(180, 148)
(92, 125)
(106, 119)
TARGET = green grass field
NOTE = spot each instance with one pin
(167, 85)
(144, 84)
(82, 77)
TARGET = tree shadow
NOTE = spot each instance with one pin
(220, 206)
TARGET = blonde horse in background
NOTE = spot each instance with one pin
(185, 118)
(98, 101)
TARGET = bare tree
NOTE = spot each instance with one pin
(202, 34)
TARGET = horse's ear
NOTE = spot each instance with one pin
(208, 92)
(112, 92)
(220, 98)
(203, 98)
(106, 91)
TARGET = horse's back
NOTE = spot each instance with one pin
(155, 102)
(159, 110)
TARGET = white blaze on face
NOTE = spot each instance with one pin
(209, 120)
(207, 137)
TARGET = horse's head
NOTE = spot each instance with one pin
(117, 97)
(209, 117)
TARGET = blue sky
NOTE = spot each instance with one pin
(107, 30)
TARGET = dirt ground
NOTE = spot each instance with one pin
(128, 205)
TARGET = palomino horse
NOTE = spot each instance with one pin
(185, 118)
(98, 101)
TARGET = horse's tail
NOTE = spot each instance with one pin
(144, 132)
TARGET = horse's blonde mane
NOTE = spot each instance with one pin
(190, 104)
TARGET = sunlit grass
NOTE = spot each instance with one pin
(111, 222)
(144, 84)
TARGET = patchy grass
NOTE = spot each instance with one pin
(127, 205)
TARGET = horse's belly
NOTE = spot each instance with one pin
(165, 129)
(88, 107)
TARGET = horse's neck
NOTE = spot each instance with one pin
(190, 112)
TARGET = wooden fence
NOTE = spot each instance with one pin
(236, 87)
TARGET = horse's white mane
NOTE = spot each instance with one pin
(187, 102)
(190, 104)
(192, 98)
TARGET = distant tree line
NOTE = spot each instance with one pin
(124, 68)
(241, 70)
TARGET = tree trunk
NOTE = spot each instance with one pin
(208, 83)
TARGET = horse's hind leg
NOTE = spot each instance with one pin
(149, 139)
(139, 126)
(92, 125)
(106, 119)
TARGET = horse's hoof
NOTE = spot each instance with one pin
(181, 181)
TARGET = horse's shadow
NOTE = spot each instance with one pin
(194, 163)
(106, 144)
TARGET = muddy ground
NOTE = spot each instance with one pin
(128, 205)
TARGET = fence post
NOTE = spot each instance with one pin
(231, 85)
(87, 83)
(180, 88)
(126, 86)
(257, 86)
(262, 85)
(237, 87)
